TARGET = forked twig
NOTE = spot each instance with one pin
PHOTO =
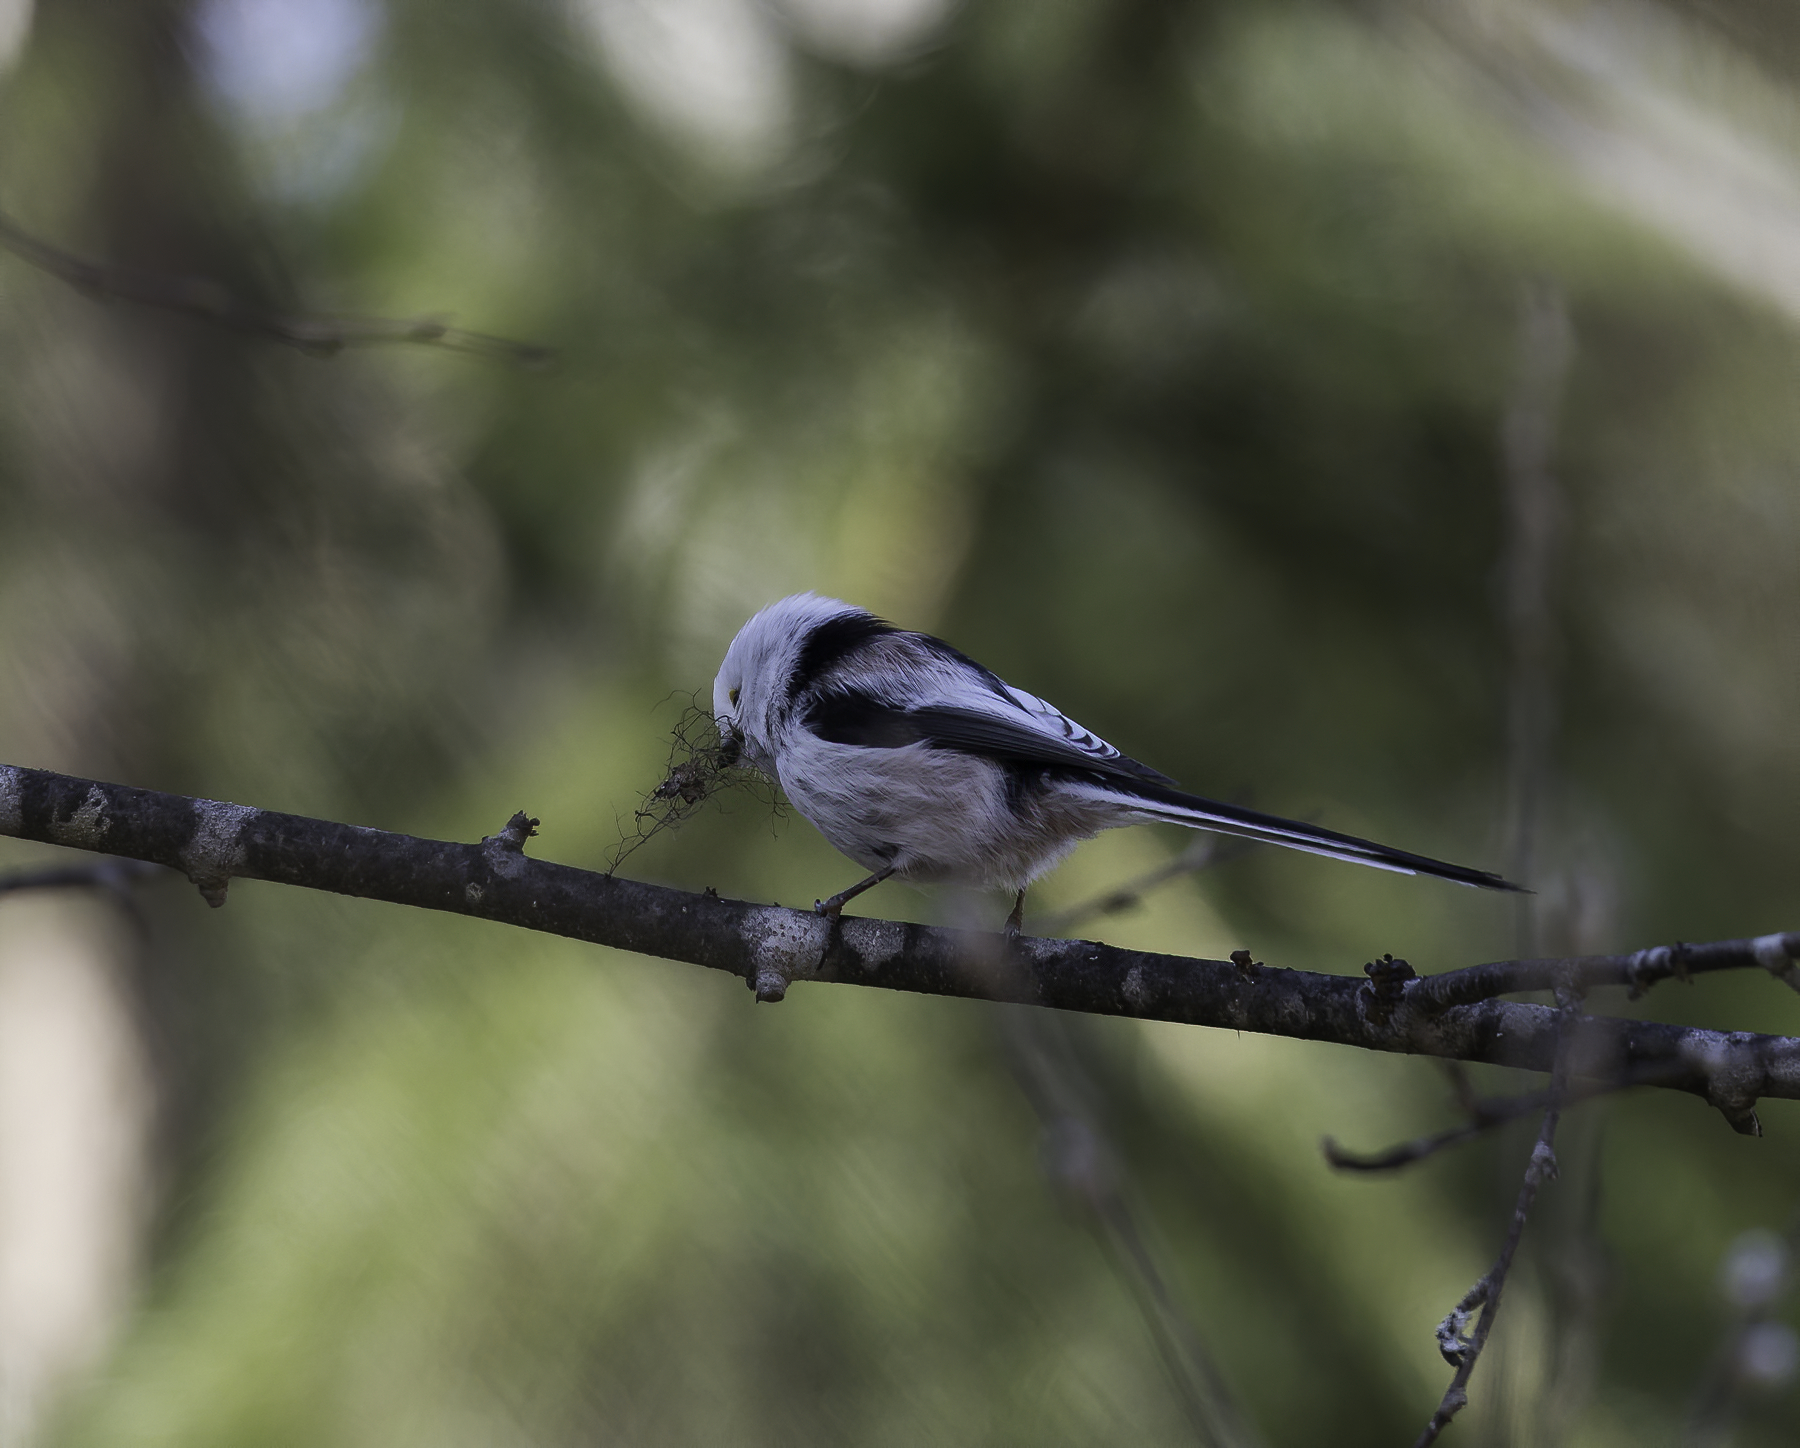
(1484, 1114)
(1456, 1342)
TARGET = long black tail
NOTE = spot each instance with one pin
(1158, 802)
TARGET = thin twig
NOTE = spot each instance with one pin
(1455, 1341)
(1637, 971)
(210, 301)
(1492, 1115)
(1485, 1115)
(1205, 852)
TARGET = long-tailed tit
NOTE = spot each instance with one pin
(917, 762)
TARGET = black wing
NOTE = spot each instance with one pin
(854, 717)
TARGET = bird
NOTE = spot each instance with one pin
(919, 763)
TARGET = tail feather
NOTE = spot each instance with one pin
(1153, 801)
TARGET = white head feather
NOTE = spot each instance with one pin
(748, 693)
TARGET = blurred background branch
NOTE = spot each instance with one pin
(1533, 535)
(209, 301)
(112, 875)
(1082, 1164)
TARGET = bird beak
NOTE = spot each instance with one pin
(731, 744)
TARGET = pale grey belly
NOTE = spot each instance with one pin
(934, 814)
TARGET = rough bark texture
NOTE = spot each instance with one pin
(770, 947)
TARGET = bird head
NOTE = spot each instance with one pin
(757, 681)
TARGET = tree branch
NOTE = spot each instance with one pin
(213, 843)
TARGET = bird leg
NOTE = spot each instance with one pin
(834, 907)
(1015, 921)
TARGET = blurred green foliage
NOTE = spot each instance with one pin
(1155, 354)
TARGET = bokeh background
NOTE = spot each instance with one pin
(1380, 413)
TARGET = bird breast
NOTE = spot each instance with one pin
(933, 814)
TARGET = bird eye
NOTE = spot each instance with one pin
(733, 696)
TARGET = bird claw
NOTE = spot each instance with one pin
(1015, 922)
